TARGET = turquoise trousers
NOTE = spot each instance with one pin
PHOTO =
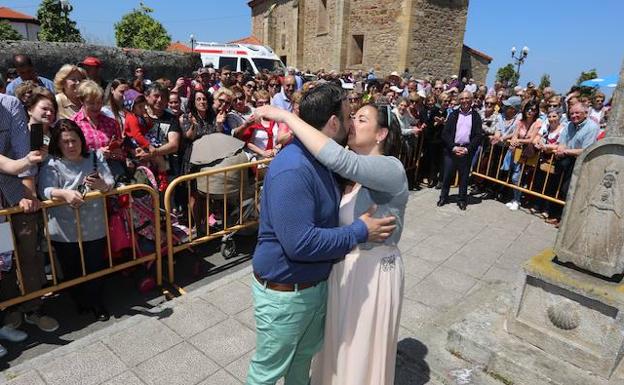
(289, 331)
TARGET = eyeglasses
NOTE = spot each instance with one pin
(250, 85)
(223, 101)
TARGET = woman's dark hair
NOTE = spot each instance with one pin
(192, 109)
(530, 104)
(66, 125)
(387, 119)
(320, 103)
(108, 95)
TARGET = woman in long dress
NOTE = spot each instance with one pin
(366, 287)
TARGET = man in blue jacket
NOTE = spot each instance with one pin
(298, 241)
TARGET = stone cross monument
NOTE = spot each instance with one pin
(592, 229)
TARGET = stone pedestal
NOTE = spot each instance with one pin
(561, 327)
(571, 315)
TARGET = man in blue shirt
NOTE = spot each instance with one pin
(283, 99)
(298, 241)
(579, 134)
(26, 71)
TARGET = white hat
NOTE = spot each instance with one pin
(453, 76)
(394, 73)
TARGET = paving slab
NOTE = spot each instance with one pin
(89, 366)
(194, 317)
(225, 342)
(125, 378)
(140, 342)
(182, 364)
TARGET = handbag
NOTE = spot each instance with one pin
(548, 167)
(119, 230)
(527, 155)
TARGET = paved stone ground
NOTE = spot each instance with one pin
(207, 336)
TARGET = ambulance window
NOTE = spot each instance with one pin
(246, 66)
(227, 61)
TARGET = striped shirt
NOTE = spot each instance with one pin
(14, 144)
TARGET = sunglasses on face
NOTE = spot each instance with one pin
(223, 101)
(532, 109)
(489, 104)
(438, 88)
(250, 86)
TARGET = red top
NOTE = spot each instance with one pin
(136, 128)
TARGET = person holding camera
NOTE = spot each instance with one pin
(69, 174)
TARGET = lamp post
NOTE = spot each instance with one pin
(520, 58)
(66, 8)
(193, 41)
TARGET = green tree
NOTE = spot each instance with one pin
(56, 24)
(7, 32)
(138, 29)
(508, 75)
(587, 75)
(544, 81)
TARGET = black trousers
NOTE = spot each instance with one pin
(68, 255)
(453, 164)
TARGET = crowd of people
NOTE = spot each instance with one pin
(96, 132)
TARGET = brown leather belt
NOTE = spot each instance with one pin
(284, 286)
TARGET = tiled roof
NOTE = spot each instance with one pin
(247, 40)
(9, 14)
(178, 47)
(478, 53)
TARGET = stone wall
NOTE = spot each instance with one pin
(424, 35)
(319, 48)
(379, 22)
(437, 37)
(118, 63)
(474, 66)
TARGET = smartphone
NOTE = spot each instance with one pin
(36, 136)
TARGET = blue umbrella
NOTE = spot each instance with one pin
(607, 81)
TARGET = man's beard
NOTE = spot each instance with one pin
(342, 135)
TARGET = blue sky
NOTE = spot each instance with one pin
(564, 37)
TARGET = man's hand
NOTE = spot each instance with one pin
(29, 205)
(379, 229)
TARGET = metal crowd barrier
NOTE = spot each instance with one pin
(112, 267)
(225, 200)
(538, 179)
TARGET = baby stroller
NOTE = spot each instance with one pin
(224, 191)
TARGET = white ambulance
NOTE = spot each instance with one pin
(239, 57)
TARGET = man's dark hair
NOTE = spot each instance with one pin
(226, 67)
(155, 86)
(320, 103)
(21, 61)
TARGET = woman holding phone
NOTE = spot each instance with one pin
(70, 171)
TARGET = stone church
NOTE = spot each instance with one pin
(425, 36)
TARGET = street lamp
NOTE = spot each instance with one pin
(66, 8)
(520, 58)
(193, 41)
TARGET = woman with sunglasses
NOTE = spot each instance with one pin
(239, 117)
(273, 85)
(249, 87)
(527, 129)
(221, 106)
